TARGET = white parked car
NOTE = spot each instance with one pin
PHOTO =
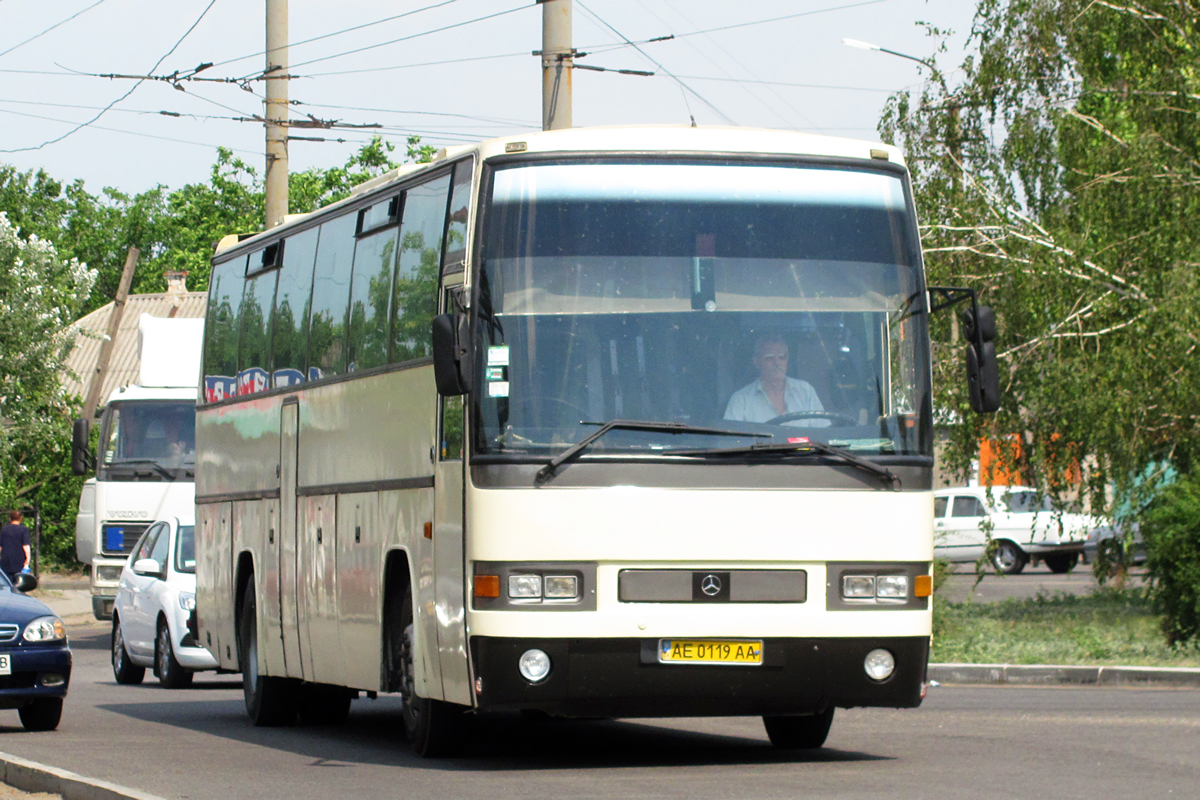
(1024, 526)
(154, 616)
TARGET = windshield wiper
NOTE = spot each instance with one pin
(804, 449)
(159, 468)
(547, 472)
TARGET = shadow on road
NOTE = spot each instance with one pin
(374, 735)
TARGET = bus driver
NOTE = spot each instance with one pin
(773, 393)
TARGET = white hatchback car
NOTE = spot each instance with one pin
(1024, 526)
(154, 616)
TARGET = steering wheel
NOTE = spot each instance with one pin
(833, 416)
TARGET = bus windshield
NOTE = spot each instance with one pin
(765, 298)
(148, 439)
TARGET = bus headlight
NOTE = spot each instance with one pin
(562, 587)
(534, 665)
(525, 586)
(879, 664)
(891, 587)
(858, 586)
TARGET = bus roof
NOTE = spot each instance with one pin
(681, 139)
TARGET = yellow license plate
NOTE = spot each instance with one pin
(710, 651)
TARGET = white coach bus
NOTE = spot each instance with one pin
(614, 422)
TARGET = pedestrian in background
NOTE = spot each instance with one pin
(14, 546)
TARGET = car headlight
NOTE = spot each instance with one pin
(45, 629)
(187, 601)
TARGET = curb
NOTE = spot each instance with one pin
(30, 776)
(1053, 675)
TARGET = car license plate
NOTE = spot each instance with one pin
(5, 664)
(710, 651)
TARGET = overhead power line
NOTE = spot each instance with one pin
(128, 133)
(780, 19)
(83, 125)
(339, 33)
(52, 27)
(653, 61)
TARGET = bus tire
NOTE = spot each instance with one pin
(799, 733)
(171, 674)
(436, 729)
(124, 670)
(270, 700)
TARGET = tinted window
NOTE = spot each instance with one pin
(185, 549)
(967, 507)
(374, 260)
(415, 304)
(331, 293)
(254, 337)
(939, 507)
(289, 322)
(220, 329)
(456, 222)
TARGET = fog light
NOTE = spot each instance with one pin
(525, 586)
(879, 664)
(562, 587)
(891, 587)
(534, 665)
(858, 586)
(52, 679)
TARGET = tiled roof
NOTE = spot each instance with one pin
(123, 366)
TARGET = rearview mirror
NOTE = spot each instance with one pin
(451, 354)
(983, 371)
(148, 567)
(79, 447)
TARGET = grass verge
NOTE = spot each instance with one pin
(1109, 627)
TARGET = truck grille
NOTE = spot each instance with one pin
(118, 538)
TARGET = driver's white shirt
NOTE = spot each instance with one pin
(751, 404)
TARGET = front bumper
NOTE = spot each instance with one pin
(102, 606)
(32, 666)
(621, 678)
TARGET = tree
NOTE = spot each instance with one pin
(1061, 178)
(40, 295)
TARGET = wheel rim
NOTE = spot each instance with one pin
(118, 648)
(164, 650)
(1005, 557)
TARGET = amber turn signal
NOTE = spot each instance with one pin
(922, 586)
(487, 585)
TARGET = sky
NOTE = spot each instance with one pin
(450, 71)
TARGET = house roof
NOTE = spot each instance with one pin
(123, 366)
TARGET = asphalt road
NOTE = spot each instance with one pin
(1031, 582)
(969, 742)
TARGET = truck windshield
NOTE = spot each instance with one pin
(145, 439)
(765, 298)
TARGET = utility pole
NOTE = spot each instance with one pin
(114, 326)
(557, 61)
(277, 112)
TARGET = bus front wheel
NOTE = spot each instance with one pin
(799, 733)
(435, 728)
(269, 700)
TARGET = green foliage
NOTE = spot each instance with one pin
(1060, 179)
(1118, 627)
(40, 294)
(1171, 532)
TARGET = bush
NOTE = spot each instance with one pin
(1171, 531)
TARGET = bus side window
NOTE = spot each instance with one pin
(330, 297)
(455, 255)
(289, 336)
(452, 428)
(415, 303)
(371, 287)
(254, 341)
(221, 329)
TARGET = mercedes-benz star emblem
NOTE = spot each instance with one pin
(711, 585)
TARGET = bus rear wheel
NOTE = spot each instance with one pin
(435, 728)
(799, 733)
(269, 700)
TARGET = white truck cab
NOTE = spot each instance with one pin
(145, 465)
